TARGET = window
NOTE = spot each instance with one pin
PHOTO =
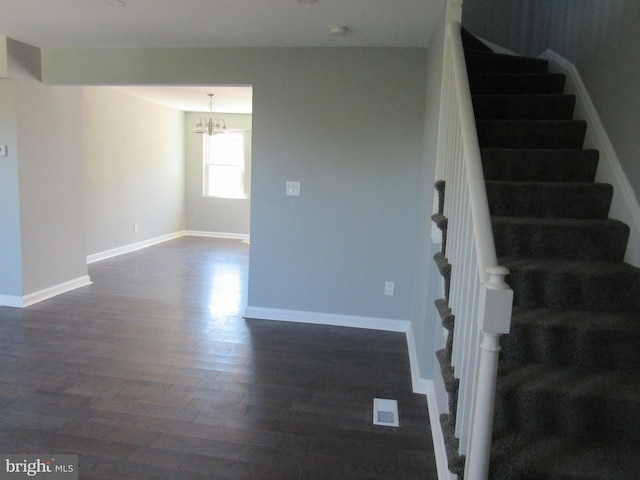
(224, 165)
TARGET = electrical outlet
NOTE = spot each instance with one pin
(3, 151)
(135, 228)
(389, 288)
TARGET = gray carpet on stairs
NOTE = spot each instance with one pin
(568, 398)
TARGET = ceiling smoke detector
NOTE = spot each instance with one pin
(338, 30)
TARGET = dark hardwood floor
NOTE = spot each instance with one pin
(152, 373)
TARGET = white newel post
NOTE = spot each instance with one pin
(494, 317)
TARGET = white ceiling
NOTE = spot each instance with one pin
(228, 99)
(216, 23)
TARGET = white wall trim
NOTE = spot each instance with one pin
(318, 318)
(132, 247)
(232, 236)
(442, 465)
(44, 294)
(39, 296)
(625, 206)
(49, 292)
(420, 385)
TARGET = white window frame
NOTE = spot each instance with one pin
(229, 168)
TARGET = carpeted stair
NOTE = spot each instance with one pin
(568, 396)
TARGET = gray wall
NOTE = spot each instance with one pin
(207, 214)
(10, 250)
(48, 144)
(347, 123)
(134, 162)
(600, 37)
(348, 126)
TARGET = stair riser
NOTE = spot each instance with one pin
(599, 242)
(572, 346)
(566, 415)
(540, 200)
(520, 107)
(491, 62)
(539, 84)
(594, 291)
(539, 165)
(530, 134)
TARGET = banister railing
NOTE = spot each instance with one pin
(479, 298)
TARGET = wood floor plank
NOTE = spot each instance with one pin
(152, 373)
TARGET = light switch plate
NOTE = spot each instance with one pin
(293, 189)
(3, 150)
(389, 288)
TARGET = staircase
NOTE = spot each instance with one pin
(568, 394)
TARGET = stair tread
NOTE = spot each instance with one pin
(565, 134)
(479, 61)
(571, 380)
(526, 122)
(571, 401)
(595, 320)
(561, 222)
(585, 338)
(523, 106)
(544, 457)
(519, 75)
(565, 238)
(577, 268)
(563, 185)
(569, 266)
(518, 83)
(525, 96)
(579, 284)
(549, 199)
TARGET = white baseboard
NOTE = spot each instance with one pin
(233, 236)
(372, 323)
(625, 206)
(420, 384)
(132, 247)
(39, 296)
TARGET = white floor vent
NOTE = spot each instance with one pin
(385, 412)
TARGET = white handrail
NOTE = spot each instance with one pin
(479, 297)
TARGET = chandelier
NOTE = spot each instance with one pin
(211, 125)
